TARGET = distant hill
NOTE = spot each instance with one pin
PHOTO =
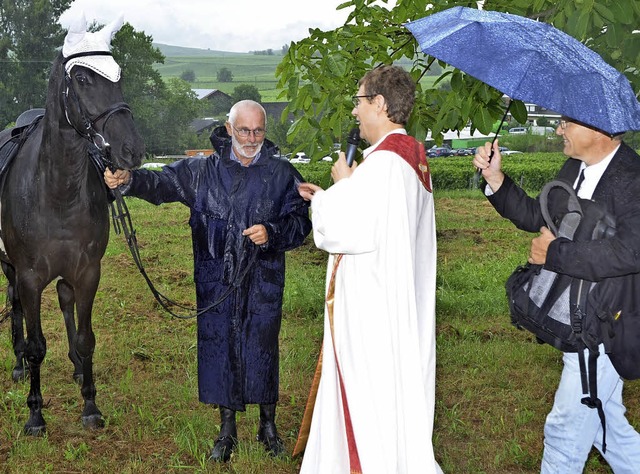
(180, 51)
(246, 68)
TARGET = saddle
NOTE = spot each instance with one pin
(12, 139)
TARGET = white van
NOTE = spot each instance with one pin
(518, 131)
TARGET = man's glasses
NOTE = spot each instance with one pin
(245, 132)
(356, 98)
(563, 122)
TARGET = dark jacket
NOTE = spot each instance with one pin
(614, 262)
(238, 338)
(618, 191)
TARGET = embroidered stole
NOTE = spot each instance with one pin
(411, 151)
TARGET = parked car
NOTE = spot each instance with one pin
(505, 151)
(438, 151)
(464, 151)
(300, 158)
(153, 165)
(518, 131)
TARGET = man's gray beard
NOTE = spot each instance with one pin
(241, 149)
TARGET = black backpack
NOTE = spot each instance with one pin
(573, 314)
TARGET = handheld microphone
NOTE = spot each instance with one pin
(352, 145)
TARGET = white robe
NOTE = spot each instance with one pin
(382, 219)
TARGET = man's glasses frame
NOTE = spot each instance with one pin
(356, 98)
(564, 121)
(245, 132)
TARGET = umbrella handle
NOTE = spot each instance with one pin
(504, 118)
(478, 174)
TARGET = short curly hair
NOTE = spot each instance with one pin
(396, 86)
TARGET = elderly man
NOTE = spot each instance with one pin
(602, 168)
(245, 213)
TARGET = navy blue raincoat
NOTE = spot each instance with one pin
(238, 354)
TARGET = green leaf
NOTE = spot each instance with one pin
(456, 81)
(336, 64)
(483, 121)
(604, 12)
(518, 111)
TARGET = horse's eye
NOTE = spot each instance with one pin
(81, 78)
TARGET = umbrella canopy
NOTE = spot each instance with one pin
(533, 62)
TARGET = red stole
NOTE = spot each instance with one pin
(411, 151)
(303, 435)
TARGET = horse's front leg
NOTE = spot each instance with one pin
(85, 345)
(21, 369)
(67, 302)
(30, 290)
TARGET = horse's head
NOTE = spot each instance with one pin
(92, 96)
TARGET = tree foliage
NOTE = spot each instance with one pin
(320, 73)
(178, 107)
(188, 75)
(246, 92)
(29, 36)
(224, 75)
(162, 111)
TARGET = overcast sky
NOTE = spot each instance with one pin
(226, 25)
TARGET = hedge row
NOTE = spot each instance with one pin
(531, 170)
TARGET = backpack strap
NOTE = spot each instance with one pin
(588, 374)
(573, 204)
(592, 400)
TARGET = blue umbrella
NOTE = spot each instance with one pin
(533, 62)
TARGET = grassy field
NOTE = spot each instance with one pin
(247, 68)
(494, 383)
(256, 70)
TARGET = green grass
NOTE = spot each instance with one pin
(495, 385)
(256, 70)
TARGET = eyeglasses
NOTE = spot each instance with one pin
(245, 132)
(563, 122)
(356, 98)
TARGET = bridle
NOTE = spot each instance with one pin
(88, 129)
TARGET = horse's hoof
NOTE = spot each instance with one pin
(19, 375)
(93, 422)
(35, 427)
(35, 430)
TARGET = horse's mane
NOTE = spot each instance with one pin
(56, 78)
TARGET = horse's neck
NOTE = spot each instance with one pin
(63, 156)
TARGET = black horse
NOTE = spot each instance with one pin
(54, 219)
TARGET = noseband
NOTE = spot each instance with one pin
(89, 132)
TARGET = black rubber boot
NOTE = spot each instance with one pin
(228, 438)
(267, 433)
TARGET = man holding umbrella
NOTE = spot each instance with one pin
(545, 66)
(611, 172)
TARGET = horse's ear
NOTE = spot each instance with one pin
(77, 30)
(109, 31)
